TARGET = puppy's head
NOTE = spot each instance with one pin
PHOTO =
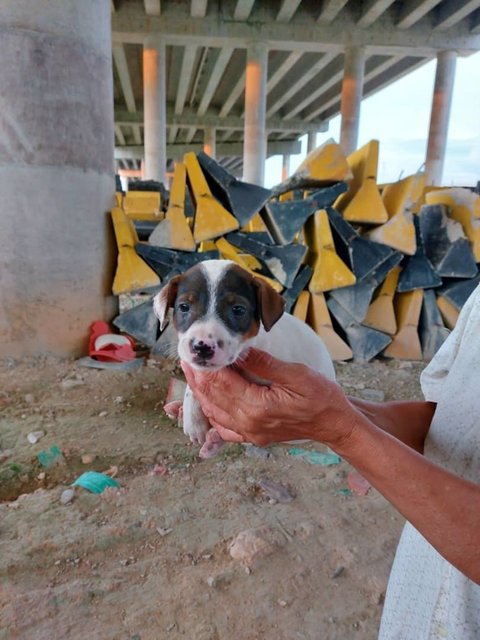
(217, 308)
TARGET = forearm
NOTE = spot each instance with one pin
(408, 421)
(444, 508)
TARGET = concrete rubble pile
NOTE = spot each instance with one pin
(373, 269)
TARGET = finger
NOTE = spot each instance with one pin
(263, 365)
(227, 435)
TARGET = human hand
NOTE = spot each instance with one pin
(298, 403)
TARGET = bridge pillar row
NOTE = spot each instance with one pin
(155, 110)
(255, 132)
(351, 98)
(440, 116)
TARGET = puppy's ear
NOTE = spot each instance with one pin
(165, 299)
(270, 303)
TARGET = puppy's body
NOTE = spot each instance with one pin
(220, 310)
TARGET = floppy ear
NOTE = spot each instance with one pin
(270, 303)
(165, 299)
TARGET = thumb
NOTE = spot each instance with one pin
(263, 365)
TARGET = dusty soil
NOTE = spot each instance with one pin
(152, 560)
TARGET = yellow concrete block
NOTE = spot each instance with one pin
(398, 233)
(464, 208)
(229, 252)
(318, 317)
(208, 245)
(404, 195)
(142, 205)
(300, 307)
(381, 312)
(327, 162)
(367, 205)
(406, 342)
(125, 233)
(174, 231)
(449, 312)
(132, 272)
(256, 224)
(363, 162)
(251, 261)
(118, 198)
(284, 197)
(211, 218)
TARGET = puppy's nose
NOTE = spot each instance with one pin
(203, 349)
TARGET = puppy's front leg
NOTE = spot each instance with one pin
(195, 424)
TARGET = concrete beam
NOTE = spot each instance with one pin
(211, 119)
(243, 9)
(277, 147)
(119, 134)
(129, 25)
(475, 22)
(330, 10)
(283, 69)
(235, 94)
(413, 11)
(121, 64)
(198, 8)
(215, 77)
(188, 60)
(287, 9)
(452, 12)
(372, 10)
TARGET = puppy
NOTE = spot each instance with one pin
(219, 311)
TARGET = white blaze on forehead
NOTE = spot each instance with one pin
(214, 271)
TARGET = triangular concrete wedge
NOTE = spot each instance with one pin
(124, 229)
(398, 233)
(211, 218)
(241, 198)
(362, 254)
(291, 294)
(381, 313)
(229, 252)
(285, 219)
(174, 231)
(449, 312)
(404, 195)
(319, 319)
(132, 273)
(406, 342)
(417, 270)
(324, 165)
(458, 293)
(283, 262)
(433, 332)
(366, 206)
(365, 343)
(140, 322)
(300, 307)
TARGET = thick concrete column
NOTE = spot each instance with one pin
(351, 100)
(155, 111)
(311, 142)
(57, 252)
(285, 166)
(210, 142)
(255, 144)
(440, 116)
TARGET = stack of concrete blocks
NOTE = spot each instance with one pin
(374, 269)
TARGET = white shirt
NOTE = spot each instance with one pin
(427, 598)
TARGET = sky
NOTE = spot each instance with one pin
(399, 115)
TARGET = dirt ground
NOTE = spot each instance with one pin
(152, 559)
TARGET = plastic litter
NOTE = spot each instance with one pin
(315, 457)
(95, 482)
(53, 456)
(358, 484)
(35, 436)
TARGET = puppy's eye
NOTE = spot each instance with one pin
(239, 310)
(184, 307)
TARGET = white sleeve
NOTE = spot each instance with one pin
(436, 372)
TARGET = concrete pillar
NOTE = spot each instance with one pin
(210, 142)
(440, 116)
(155, 111)
(352, 91)
(255, 144)
(285, 166)
(311, 142)
(57, 253)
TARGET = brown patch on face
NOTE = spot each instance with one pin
(192, 299)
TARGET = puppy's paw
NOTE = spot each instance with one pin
(195, 424)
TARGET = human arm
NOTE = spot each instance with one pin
(409, 421)
(300, 403)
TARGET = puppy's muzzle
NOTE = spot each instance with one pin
(202, 350)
